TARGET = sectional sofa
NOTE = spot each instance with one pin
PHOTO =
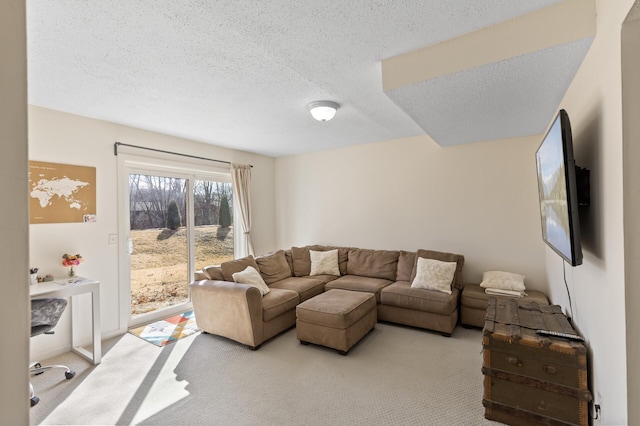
(240, 311)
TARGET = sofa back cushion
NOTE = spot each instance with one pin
(302, 260)
(201, 275)
(406, 261)
(231, 267)
(273, 267)
(373, 263)
(214, 272)
(289, 257)
(444, 257)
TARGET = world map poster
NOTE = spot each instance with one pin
(61, 193)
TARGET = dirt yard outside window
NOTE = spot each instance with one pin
(159, 275)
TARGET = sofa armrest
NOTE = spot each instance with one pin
(228, 309)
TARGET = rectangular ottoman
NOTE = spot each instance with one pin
(474, 301)
(336, 319)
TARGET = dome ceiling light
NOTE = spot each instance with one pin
(323, 110)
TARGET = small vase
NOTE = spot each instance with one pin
(72, 272)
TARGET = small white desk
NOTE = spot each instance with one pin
(71, 290)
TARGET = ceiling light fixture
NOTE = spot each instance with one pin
(323, 110)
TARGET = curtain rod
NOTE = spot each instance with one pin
(117, 144)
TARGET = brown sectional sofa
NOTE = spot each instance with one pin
(240, 313)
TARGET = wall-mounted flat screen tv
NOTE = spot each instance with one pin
(558, 191)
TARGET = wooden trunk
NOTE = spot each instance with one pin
(532, 379)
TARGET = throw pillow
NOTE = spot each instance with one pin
(324, 262)
(301, 260)
(434, 274)
(251, 277)
(503, 280)
(444, 257)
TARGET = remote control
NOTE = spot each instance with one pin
(560, 335)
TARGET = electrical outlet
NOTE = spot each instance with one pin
(113, 239)
(598, 413)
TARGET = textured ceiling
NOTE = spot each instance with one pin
(240, 73)
(505, 99)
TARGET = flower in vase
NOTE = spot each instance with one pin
(70, 261)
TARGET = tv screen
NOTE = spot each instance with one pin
(557, 190)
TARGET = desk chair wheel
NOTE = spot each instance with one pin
(69, 374)
(34, 400)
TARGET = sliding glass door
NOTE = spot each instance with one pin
(175, 221)
(158, 242)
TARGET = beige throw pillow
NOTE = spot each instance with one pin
(443, 257)
(503, 280)
(324, 262)
(251, 277)
(434, 274)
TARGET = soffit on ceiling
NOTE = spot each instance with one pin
(240, 73)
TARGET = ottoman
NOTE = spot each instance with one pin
(473, 303)
(336, 319)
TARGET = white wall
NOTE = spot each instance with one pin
(14, 250)
(594, 105)
(65, 138)
(479, 200)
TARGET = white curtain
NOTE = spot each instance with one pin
(241, 178)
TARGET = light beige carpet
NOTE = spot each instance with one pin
(394, 376)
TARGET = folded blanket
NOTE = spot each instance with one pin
(501, 292)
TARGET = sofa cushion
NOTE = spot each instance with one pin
(434, 274)
(277, 302)
(201, 275)
(444, 257)
(336, 308)
(402, 295)
(252, 277)
(356, 283)
(324, 262)
(474, 296)
(325, 278)
(214, 272)
(406, 260)
(302, 260)
(373, 263)
(273, 267)
(231, 267)
(306, 287)
(287, 254)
